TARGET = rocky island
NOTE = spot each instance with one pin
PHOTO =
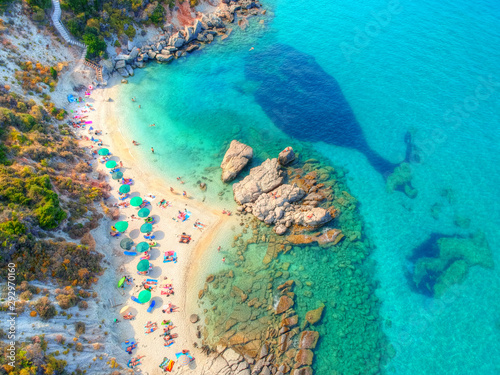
(265, 193)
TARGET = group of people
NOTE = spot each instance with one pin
(167, 288)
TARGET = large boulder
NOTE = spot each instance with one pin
(152, 55)
(286, 156)
(133, 53)
(123, 72)
(272, 206)
(189, 35)
(236, 158)
(177, 40)
(130, 70)
(315, 217)
(262, 179)
(198, 27)
(164, 58)
(120, 64)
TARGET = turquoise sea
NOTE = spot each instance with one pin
(429, 68)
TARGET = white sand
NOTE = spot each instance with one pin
(166, 231)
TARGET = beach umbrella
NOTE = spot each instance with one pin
(144, 212)
(183, 360)
(121, 226)
(146, 228)
(126, 244)
(124, 308)
(103, 152)
(136, 201)
(117, 175)
(124, 189)
(110, 164)
(143, 265)
(144, 296)
(121, 281)
(142, 247)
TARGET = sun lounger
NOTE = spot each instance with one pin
(151, 306)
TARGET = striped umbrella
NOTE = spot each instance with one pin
(124, 189)
(110, 164)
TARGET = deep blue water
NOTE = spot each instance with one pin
(375, 70)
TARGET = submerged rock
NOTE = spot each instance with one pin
(236, 158)
(443, 261)
(308, 339)
(262, 179)
(313, 316)
(284, 304)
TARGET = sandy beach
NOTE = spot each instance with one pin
(167, 229)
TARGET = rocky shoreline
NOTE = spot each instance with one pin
(174, 43)
(289, 299)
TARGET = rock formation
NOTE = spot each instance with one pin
(236, 158)
(263, 194)
(262, 179)
(286, 156)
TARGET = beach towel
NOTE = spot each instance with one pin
(88, 122)
(151, 306)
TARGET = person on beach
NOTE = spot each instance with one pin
(224, 260)
(152, 125)
(135, 143)
(180, 180)
(172, 190)
(121, 164)
(139, 106)
(184, 194)
(218, 249)
(152, 150)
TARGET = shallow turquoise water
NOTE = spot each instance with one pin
(423, 70)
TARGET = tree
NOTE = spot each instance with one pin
(96, 46)
(53, 73)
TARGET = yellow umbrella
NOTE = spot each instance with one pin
(124, 308)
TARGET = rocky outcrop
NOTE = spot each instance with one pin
(273, 206)
(262, 179)
(286, 156)
(236, 158)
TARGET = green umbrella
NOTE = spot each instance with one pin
(144, 212)
(103, 152)
(124, 189)
(120, 283)
(142, 247)
(144, 296)
(146, 228)
(126, 244)
(143, 265)
(121, 226)
(110, 164)
(136, 201)
(117, 175)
